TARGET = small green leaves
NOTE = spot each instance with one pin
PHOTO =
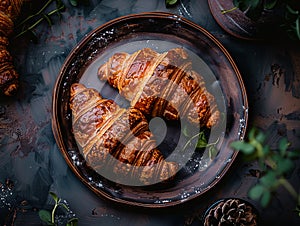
(256, 192)
(44, 13)
(259, 192)
(246, 148)
(45, 216)
(276, 164)
(49, 217)
(266, 198)
(212, 151)
(202, 142)
(54, 196)
(283, 145)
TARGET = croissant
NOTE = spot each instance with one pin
(161, 85)
(9, 11)
(116, 142)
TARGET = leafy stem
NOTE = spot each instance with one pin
(202, 143)
(49, 218)
(36, 14)
(282, 181)
(275, 164)
(33, 20)
(190, 140)
(44, 17)
(228, 10)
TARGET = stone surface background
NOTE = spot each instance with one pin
(31, 163)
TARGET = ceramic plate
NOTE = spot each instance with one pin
(161, 32)
(236, 23)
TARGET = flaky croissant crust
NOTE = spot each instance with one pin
(161, 84)
(116, 140)
(9, 11)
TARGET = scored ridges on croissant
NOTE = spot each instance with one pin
(116, 142)
(161, 84)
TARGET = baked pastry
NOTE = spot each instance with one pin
(116, 142)
(162, 84)
(9, 11)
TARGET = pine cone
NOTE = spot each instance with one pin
(231, 212)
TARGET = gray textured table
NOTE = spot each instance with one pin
(32, 164)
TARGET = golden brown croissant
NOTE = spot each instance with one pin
(116, 142)
(161, 85)
(9, 11)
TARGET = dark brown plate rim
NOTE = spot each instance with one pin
(237, 102)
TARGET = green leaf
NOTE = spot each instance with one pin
(73, 2)
(256, 192)
(236, 2)
(260, 137)
(185, 131)
(297, 29)
(270, 4)
(265, 150)
(244, 147)
(284, 166)
(45, 216)
(269, 180)
(266, 198)
(293, 154)
(54, 196)
(246, 4)
(72, 222)
(212, 152)
(298, 209)
(64, 206)
(251, 134)
(252, 8)
(291, 10)
(170, 2)
(202, 142)
(283, 145)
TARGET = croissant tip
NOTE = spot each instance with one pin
(11, 90)
(76, 87)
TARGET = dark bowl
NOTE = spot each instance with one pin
(160, 31)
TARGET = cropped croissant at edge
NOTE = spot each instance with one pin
(9, 77)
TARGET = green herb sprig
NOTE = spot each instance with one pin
(201, 143)
(43, 14)
(49, 217)
(275, 165)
